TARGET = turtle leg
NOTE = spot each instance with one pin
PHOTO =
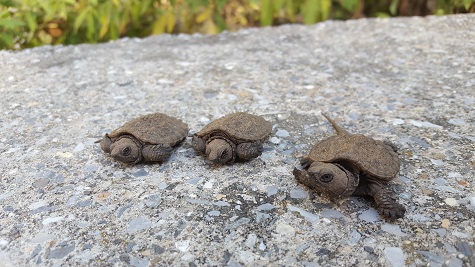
(302, 176)
(105, 143)
(305, 162)
(249, 150)
(392, 145)
(199, 145)
(386, 201)
(156, 152)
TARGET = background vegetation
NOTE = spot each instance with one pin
(29, 23)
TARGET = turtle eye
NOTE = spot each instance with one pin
(223, 154)
(326, 177)
(126, 151)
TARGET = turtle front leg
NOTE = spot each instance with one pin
(250, 150)
(302, 176)
(386, 201)
(199, 145)
(105, 143)
(156, 152)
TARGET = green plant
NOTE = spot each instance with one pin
(29, 23)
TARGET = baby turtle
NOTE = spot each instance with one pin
(148, 138)
(352, 164)
(235, 136)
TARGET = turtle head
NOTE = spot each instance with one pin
(127, 150)
(332, 178)
(219, 151)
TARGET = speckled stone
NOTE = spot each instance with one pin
(407, 80)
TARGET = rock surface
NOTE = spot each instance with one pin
(408, 80)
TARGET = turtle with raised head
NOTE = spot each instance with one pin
(148, 138)
(237, 136)
(352, 164)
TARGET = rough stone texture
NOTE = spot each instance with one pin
(410, 80)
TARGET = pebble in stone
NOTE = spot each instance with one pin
(260, 216)
(238, 223)
(251, 240)
(79, 147)
(282, 133)
(209, 184)
(140, 173)
(121, 210)
(418, 217)
(440, 181)
(394, 256)
(222, 203)
(138, 224)
(331, 213)
(369, 215)
(431, 256)
(194, 181)
(449, 248)
(472, 200)
(437, 162)
(398, 122)
(182, 245)
(305, 214)
(152, 201)
(298, 193)
(90, 168)
(441, 232)
(36, 205)
(425, 124)
(355, 237)
(61, 252)
(284, 229)
(275, 140)
(272, 190)
(139, 262)
(454, 262)
(460, 234)
(465, 249)
(214, 213)
(6, 195)
(266, 206)
(42, 237)
(84, 203)
(392, 229)
(52, 220)
(451, 202)
(162, 185)
(457, 121)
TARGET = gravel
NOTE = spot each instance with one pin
(63, 202)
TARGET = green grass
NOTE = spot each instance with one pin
(30, 23)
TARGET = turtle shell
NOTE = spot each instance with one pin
(239, 127)
(372, 157)
(156, 128)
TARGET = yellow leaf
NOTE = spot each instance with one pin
(104, 25)
(158, 26)
(209, 27)
(170, 22)
(204, 15)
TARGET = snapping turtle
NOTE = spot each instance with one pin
(148, 138)
(352, 164)
(239, 135)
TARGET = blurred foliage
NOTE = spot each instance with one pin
(29, 23)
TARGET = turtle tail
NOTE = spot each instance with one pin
(337, 127)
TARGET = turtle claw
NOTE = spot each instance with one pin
(396, 212)
(387, 204)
